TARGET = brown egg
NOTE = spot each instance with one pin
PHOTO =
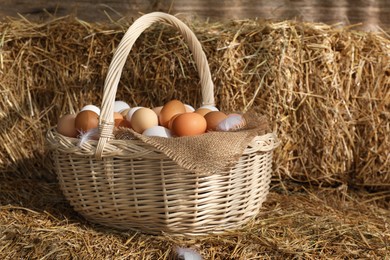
(125, 123)
(202, 111)
(170, 109)
(171, 121)
(66, 125)
(189, 124)
(119, 120)
(86, 120)
(143, 119)
(213, 118)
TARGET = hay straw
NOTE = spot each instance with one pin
(326, 89)
(298, 223)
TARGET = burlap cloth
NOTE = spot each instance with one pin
(208, 153)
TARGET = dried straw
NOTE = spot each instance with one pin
(325, 89)
(298, 223)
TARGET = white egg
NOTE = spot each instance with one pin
(157, 110)
(91, 108)
(212, 108)
(131, 112)
(120, 105)
(189, 108)
(157, 131)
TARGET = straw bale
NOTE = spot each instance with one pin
(324, 88)
(295, 223)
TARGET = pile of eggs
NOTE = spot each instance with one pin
(173, 119)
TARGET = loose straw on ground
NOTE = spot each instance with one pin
(324, 88)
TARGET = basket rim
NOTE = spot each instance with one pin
(121, 147)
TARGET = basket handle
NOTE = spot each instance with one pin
(106, 120)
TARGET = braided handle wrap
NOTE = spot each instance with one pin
(106, 120)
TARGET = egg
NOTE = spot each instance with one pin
(91, 108)
(124, 112)
(120, 105)
(131, 112)
(157, 131)
(202, 111)
(234, 114)
(212, 108)
(171, 121)
(189, 108)
(143, 119)
(189, 124)
(66, 125)
(118, 118)
(86, 120)
(120, 121)
(213, 119)
(170, 109)
(157, 110)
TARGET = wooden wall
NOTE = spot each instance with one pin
(371, 13)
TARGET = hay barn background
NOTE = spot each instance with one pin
(324, 86)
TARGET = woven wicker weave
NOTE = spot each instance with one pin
(128, 184)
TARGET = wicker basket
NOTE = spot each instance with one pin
(128, 184)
